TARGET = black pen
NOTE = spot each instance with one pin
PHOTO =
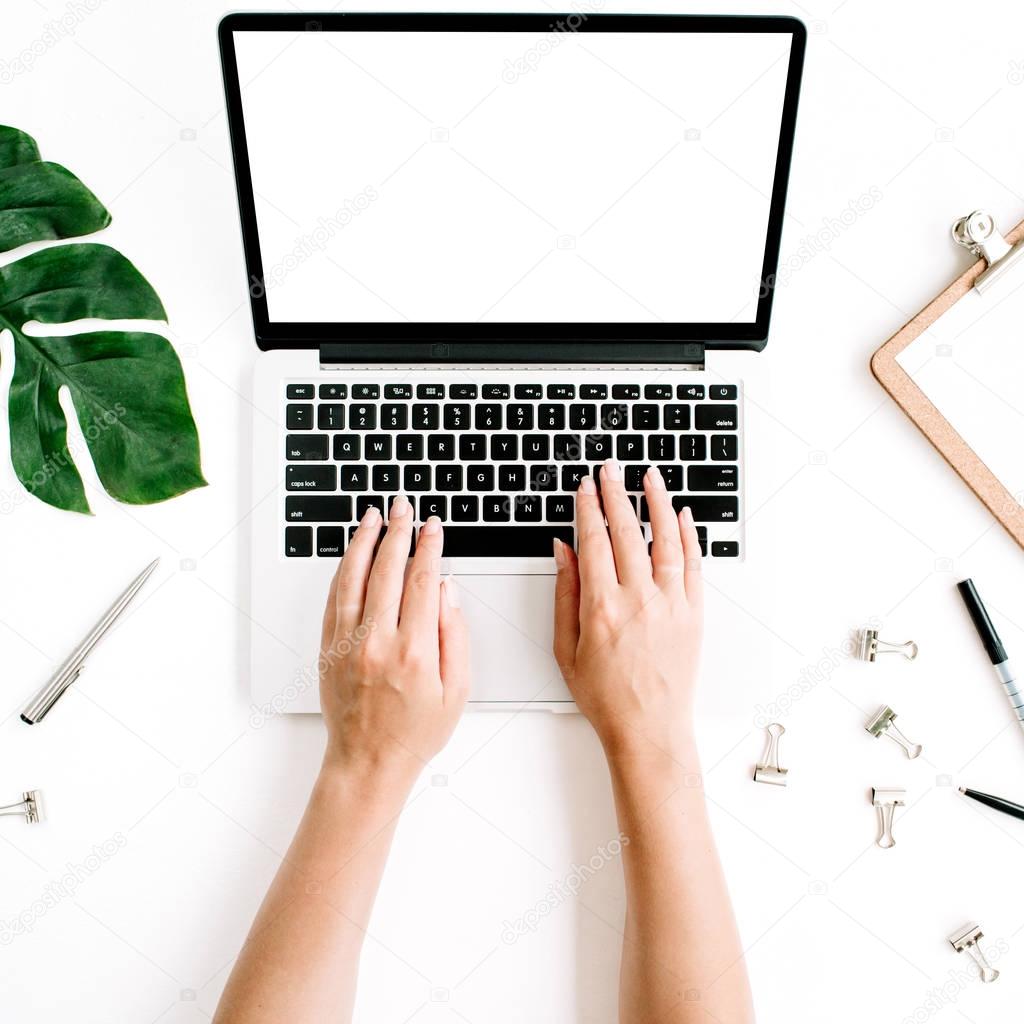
(995, 802)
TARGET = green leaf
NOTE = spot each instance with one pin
(41, 201)
(16, 147)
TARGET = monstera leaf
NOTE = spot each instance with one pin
(127, 387)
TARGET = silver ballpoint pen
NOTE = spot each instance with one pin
(37, 708)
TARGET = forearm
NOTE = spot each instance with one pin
(682, 961)
(300, 960)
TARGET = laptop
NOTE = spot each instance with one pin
(485, 253)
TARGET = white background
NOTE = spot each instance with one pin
(915, 107)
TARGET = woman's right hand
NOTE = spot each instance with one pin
(628, 625)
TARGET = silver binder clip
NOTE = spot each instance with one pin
(883, 723)
(887, 800)
(871, 646)
(966, 939)
(768, 770)
(977, 232)
(30, 807)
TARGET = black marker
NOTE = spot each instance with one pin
(996, 802)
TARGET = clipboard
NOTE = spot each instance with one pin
(998, 258)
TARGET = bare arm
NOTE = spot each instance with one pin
(627, 638)
(393, 682)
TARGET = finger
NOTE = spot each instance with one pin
(453, 644)
(667, 546)
(567, 608)
(421, 596)
(628, 544)
(354, 572)
(692, 577)
(384, 589)
(596, 564)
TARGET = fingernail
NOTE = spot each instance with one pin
(432, 525)
(370, 516)
(657, 480)
(612, 470)
(687, 515)
(587, 485)
(451, 591)
(399, 507)
(559, 552)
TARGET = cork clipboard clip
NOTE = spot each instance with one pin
(998, 256)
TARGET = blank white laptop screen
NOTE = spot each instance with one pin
(511, 176)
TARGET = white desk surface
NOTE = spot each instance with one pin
(915, 106)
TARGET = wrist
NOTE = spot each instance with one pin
(380, 778)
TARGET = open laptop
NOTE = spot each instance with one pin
(485, 253)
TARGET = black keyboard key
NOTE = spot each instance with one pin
(661, 447)
(378, 448)
(551, 417)
(498, 391)
(614, 417)
(693, 448)
(330, 541)
(462, 391)
(582, 417)
(347, 447)
(448, 478)
(487, 416)
(571, 477)
(717, 417)
(656, 391)
(709, 508)
(456, 417)
(497, 508)
(417, 478)
(568, 448)
(298, 541)
(597, 447)
(330, 392)
(318, 509)
(441, 447)
(472, 447)
(480, 478)
(465, 509)
(396, 391)
(645, 417)
(504, 447)
(409, 446)
(594, 392)
(713, 478)
(311, 478)
(519, 417)
(392, 498)
(690, 392)
(365, 501)
(543, 478)
(294, 391)
(628, 392)
(511, 478)
(331, 416)
(426, 417)
(722, 393)
(429, 391)
(385, 478)
(724, 448)
(433, 505)
(527, 391)
(503, 541)
(306, 447)
(634, 477)
(673, 477)
(528, 508)
(702, 536)
(394, 417)
(362, 417)
(355, 478)
(725, 549)
(365, 391)
(536, 448)
(629, 447)
(560, 508)
(677, 417)
(563, 391)
(299, 417)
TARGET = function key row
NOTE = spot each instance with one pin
(523, 392)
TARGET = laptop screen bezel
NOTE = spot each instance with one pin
(560, 337)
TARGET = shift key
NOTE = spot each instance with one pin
(709, 508)
(318, 509)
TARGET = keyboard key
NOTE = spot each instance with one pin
(385, 478)
(456, 417)
(480, 478)
(310, 478)
(355, 478)
(713, 478)
(362, 417)
(511, 478)
(690, 392)
(417, 478)
(629, 447)
(543, 478)
(448, 478)
(497, 508)
(305, 447)
(597, 447)
(440, 447)
(634, 477)
(365, 501)
(347, 447)
(630, 392)
(366, 391)
(433, 505)
(571, 477)
(527, 508)
(645, 417)
(332, 391)
(394, 417)
(560, 508)
(472, 447)
(298, 541)
(716, 417)
(595, 392)
(487, 416)
(299, 417)
(378, 448)
(318, 509)
(655, 391)
(551, 417)
(693, 448)
(661, 447)
(299, 391)
(709, 508)
(499, 391)
(503, 541)
(462, 391)
(564, 391)
(331, 416)
(722, 393)
(394, 391)
(519, 417)
(330, 541)
(724, 448)
(504, 447)
(582, 417)
(428, 391)
(673, 477)
(725, 548)
(568, 448)
(392, 498)
(614, 417)
(536, 448)
(409, 446)
(529, 391)
(426, 417)
(677, 417)
(465, 509)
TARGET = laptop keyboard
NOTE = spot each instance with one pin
(499, 464)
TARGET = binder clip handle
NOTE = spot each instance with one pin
(871, 646)
(883, 723)
(966, 939)
(769, 770)
(29, 807)
(886, 801)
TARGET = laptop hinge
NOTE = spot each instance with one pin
(686, 354)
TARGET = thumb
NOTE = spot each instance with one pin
(453, 642)
(567, 608)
